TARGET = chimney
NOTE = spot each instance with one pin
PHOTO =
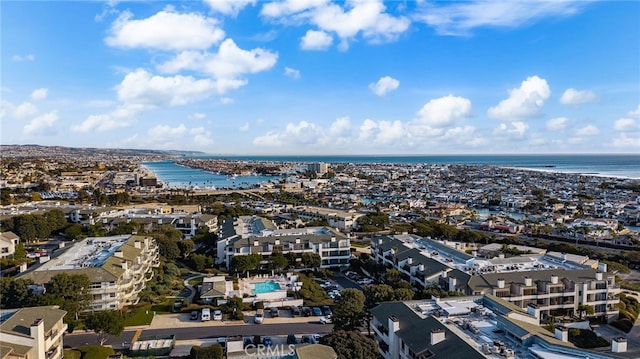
(528, 281)
(409, 260)
(137, 244)
(123, 264)
(501, 255)
(564, 256)
(437, 336)
(602, 267)
(598, 275)
(36, 331)
(554, 279)
(444, 273)
(619, 345)
(420, 267)
(297, 240)
(500, 283)
(474, 253)
(118, 253)
(562, 333)
(277, 242)
(394, 324)
(256, 243)
(159, 220)
(452, 283)
(379, 240)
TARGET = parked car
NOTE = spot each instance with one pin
(259, 316)
(326, 310)
(291, 339)
(275, 312)
(206, 314)
(307, 339)
(247, 341)
(217, 315)
(325, 320)
(306, 311)
(267, 342)
(295, 310)
(194, 315)
(317, 311)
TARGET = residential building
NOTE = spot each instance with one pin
(342, 220)
(33, 333)
(401, 333)
(255, 235)
(214, 288)
(8, 242)
(553, 292)
(318, 167)
(118, 268)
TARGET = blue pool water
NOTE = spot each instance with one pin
(265, 287)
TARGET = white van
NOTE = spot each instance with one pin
(206, 314)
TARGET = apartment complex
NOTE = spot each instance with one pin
(255, 235)
(556, 284)
(33, 333)
(402, 333)
(552, 292)
(118, 268)
(342, 220)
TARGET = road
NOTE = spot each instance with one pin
(345, 282)
(83, 338)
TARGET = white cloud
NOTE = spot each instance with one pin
(201, 137)
(381, 132)
(166, 30)
(463, 136)
(199, 116)
(346, 20)
(384, 85)
(341, 127)
(626, 141)
(588, 130)
(42, 125)
(19, 58)
(443, 111)
(24, 110)
(226, 100)
(459, 18)
(626, 125)
(121, 117)
(316, 40)
(515, 129)
(141, 87)
(635, 113)
(523, 102)
(226, 66)
(244, 127)
(229, 7)
(574, 97)
(39, 94)
(166, 132)
(270, 139)
(278, 9)
(557, 124)
(293, 73)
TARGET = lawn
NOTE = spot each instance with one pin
(139, 315)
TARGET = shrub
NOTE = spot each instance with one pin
(583, 338)
(71, 354)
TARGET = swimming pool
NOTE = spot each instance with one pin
(265, 287)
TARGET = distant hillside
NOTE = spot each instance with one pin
(22, 151)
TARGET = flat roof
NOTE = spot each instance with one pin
(91, 252)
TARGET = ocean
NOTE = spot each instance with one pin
(603, 165)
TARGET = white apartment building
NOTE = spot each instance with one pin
(33, 333)
(118, 268)
(342, 220)
(255, 235)
(8, 242)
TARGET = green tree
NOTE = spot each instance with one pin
(392, 277)
(104, 323)
(14, 292)
(403, 294)
(278, 262)
(351, 345)
(74, 231)
(167, 247)
(200, 262)
(186, 246)
(349, 310)
(585, 309)
(73, 290)
(245, 263)
(234, 307)
(311, 260)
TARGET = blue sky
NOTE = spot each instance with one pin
(322, 77)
